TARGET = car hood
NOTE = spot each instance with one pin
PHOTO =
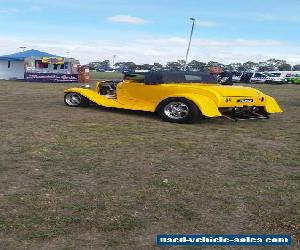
(224, 90)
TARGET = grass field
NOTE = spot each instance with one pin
(93, 178)
(106, 75)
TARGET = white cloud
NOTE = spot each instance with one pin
(178, 41)
(127, 19)
(207, 24)
(160, 50)
(268, 17)
(224, 51)
(247, 42)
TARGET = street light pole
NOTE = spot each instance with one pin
(190, 41)
(23, 48)
(113, 61)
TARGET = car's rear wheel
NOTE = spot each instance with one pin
(178, 110)
(75, 100)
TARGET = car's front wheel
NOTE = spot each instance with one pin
(75, 100)
(178, 110)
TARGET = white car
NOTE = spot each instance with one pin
(283, 73)
(259, 77)
(236, 76)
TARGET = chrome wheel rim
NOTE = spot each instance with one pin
(176, 110)
(73, 99)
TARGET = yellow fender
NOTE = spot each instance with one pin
(207, 106)
(271, 105)
(93, 96)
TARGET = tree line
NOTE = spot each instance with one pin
(194, 65)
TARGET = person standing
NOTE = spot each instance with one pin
(223, 77)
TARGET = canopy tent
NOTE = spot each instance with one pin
(20, 56)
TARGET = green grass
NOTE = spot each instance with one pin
(92, 178)
(106, 75)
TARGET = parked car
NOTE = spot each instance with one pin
(293, 78)
(275, 79)
(260, 77)
(179, 97)
(236, 76)
(283, 73)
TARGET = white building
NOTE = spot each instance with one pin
(11, 68)
(35, 65)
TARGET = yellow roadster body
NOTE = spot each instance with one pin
(177, 101)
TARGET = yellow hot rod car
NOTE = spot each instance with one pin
(179, 97)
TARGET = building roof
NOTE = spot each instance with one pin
(20, 56)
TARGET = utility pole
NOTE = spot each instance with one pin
(113, 61)
(190, 41)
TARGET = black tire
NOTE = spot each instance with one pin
(189, 113)
(79, 100)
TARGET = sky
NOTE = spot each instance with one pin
(226, 31)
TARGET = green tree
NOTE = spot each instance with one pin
(198, 66)
(274, 64)
(147, 66)
(105, 65)
(296, 67)
(182, 63)
(157, 67)
(266, 66)
(213, 64)
(263, 68)
(128, 65)
(233, 67)
(173, 66)
(285, 67)
(250, 66)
